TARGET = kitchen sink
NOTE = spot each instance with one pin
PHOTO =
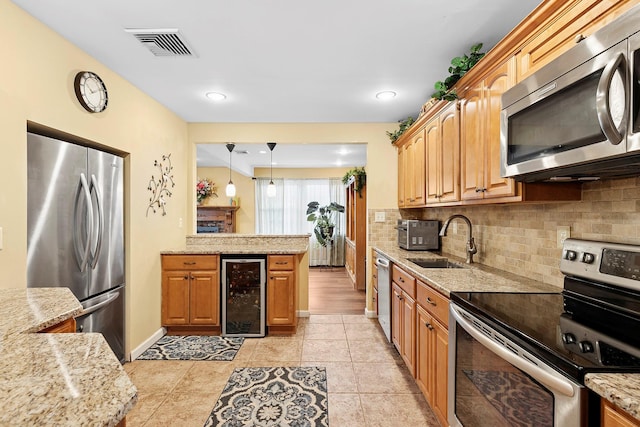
(434, 263)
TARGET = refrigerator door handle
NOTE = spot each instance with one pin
(82, 254)
(93, 308)
(100, 220)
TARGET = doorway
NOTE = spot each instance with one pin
(331, 292)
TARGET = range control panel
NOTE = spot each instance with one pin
(611, 263)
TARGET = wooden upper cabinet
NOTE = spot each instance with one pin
(443, 161)
(411, 169)
(570, 22)
(480, 136)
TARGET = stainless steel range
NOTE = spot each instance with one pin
(520, 358)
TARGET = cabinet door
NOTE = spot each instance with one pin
(441, 362)
(408, 332)
(175, 298)
(614, 417)
(204, 298)
(424, 351)
(281, 308)
(418, 170)
(402, 171)
(496, 83)
(432, 147)
(449, 155)
(396, 316)
(471, 145)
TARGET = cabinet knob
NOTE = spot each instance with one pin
(401, 279)
(430, 301)
(189, 263)
(429, 326)
(186, 277)
(578, 38)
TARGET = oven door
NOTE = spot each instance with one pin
(576, 118)
(494, 382)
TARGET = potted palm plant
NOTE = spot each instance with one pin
(323, 218)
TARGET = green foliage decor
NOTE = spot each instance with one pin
(323, 218)
(459, 67)
(360, 178)
(404, 125)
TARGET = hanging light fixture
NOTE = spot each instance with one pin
(271, 188)
(231, 189)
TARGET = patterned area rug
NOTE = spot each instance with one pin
(273, 397)
(517, 398)
(175, 347)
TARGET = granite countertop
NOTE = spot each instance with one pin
(470, 278)
(33, 309)
(623, 390)
(212, 244)
(52, 378)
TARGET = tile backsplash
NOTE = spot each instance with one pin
(522, 238)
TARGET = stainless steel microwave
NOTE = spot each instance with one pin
(577, 118)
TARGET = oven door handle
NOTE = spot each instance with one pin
(554, 382)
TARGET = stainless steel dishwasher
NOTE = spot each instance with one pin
(384, 295)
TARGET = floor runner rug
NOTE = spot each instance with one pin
(193, 347)
(515, 396)
(273, 397)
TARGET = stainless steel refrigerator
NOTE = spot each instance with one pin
(75, 230)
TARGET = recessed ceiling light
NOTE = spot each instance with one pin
(216, 96)
(386, 95)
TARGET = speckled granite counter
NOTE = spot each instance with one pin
(56, 379)
(472, 278)
(31, 310)
(243, 244)
(623, 390)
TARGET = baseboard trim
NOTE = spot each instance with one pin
(371, 314)
(303, 313)
(136, 352)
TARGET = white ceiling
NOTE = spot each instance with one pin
(285, 60)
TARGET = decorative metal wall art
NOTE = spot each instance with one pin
(159, 186)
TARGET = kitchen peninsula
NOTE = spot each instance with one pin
(191, 285)
(63, 379)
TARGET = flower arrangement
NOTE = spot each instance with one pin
(205, 188)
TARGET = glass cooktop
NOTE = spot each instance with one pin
(572, 336)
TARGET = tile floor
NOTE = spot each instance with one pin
(367, 382)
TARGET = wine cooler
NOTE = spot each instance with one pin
(243, 295)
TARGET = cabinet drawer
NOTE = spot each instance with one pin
(281, 262)
(189, 262)
(433, 302)
(404, 280)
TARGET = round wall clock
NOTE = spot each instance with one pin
(91, 91)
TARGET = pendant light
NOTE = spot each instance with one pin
(231, 189)
(271, 188)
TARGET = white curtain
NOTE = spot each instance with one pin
(286, 213)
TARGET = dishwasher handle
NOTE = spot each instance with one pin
(382, 263)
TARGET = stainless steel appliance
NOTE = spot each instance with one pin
(578, 118)
(384, 294)
(75, 231)
(521, 358)
(243, 295)
(418, 235)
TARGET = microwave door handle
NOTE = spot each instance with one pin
(603, 109)
(554, 382)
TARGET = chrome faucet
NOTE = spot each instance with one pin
(471, 244)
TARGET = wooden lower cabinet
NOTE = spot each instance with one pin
(282, 285)
(65, 327)
(419, 331)
(612, 416)
(190, 293)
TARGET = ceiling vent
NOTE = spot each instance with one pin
(163, 42)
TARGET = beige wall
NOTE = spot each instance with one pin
(36, 85)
